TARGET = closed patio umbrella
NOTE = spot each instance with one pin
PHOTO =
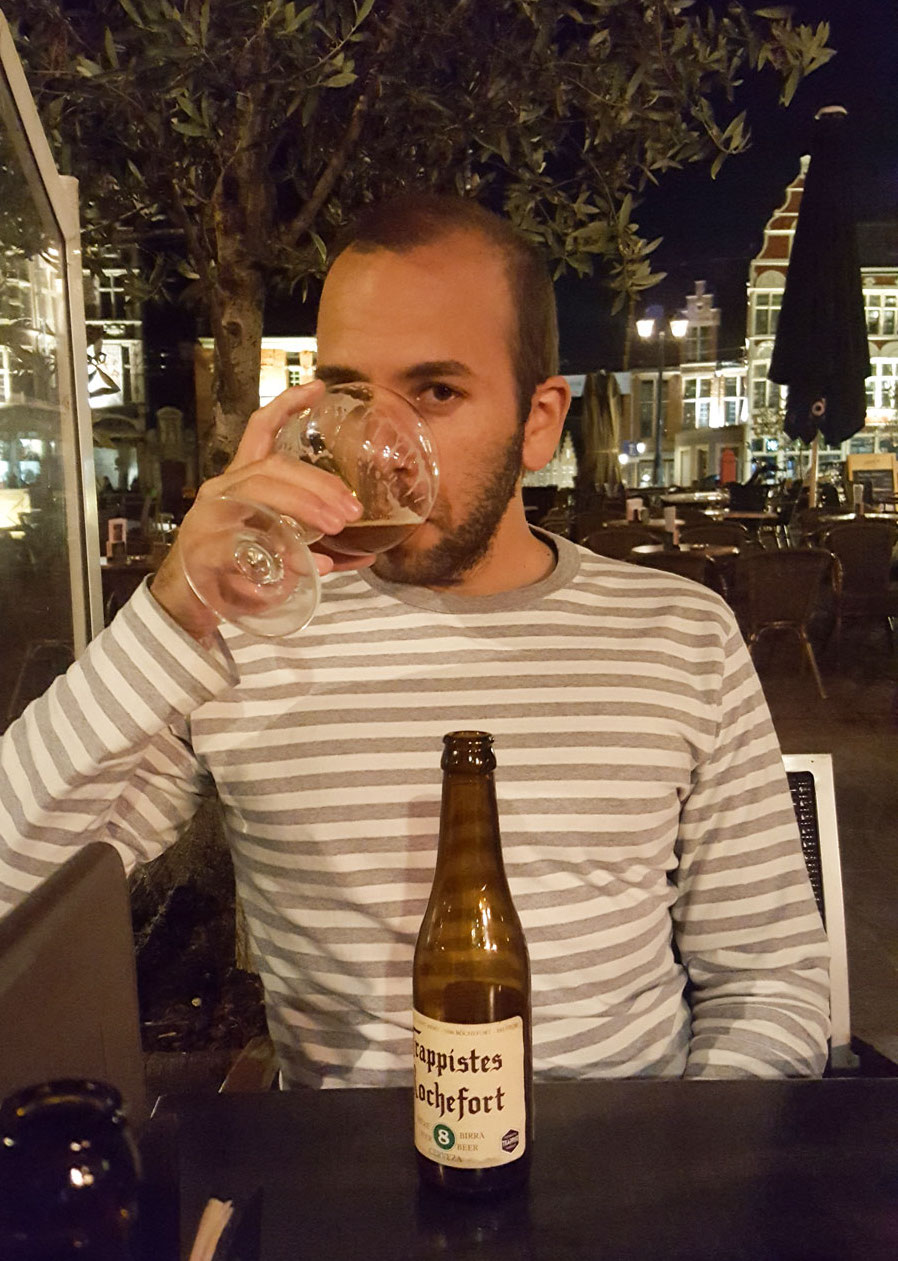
(821, 351)
(601, 430)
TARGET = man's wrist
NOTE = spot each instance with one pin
(172, 592)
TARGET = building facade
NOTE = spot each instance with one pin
(767, 279)
(703, 405)
(116, 380)
(724, 419)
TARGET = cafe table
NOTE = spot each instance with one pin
(699, 1170)
(842, 518)
(697, 498)
(651, 523)
(713, 551)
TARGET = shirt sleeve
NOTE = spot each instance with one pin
(104, 754)
(745, 919)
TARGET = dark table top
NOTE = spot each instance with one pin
(698, 1170)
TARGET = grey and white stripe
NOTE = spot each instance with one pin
(647, 827)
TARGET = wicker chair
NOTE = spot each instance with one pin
(607, 512)
(694, 565)
(779, 590)
(619, 541)
(726, 533)
(863, 552)
(805, 527)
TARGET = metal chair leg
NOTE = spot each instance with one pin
(802, 634)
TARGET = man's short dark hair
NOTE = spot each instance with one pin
(409, 220)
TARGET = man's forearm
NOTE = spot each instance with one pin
(73, 768)
(761, 1024)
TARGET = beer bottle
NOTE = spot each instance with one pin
(69, 1174)
(473, 1068)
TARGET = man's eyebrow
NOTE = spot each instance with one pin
(340, 374)
(437, 368)
(337, 374)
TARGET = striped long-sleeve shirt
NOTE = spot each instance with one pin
(648, 832)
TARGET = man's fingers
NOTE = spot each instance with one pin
(262, 426)
(347, 563)
(307, 494)
(324, 564)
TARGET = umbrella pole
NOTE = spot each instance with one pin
(812, 474)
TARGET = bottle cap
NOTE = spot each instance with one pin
(470, 751)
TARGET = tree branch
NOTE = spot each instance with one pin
(302, 222)
(203, 262)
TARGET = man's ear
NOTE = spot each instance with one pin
(542, 429)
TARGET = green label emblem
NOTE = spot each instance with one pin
(443, 1137)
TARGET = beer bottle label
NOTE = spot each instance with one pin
(469, 1092)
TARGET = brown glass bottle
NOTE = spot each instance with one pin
(473, 1067)
(69, 1174)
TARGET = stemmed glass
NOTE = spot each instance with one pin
(254, 568)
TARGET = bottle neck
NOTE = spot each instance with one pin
(469, 826)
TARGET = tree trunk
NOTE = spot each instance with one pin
(240, 221)
(237, 363)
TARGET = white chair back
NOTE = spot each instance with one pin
(813, 795)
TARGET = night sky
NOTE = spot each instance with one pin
(712, 228)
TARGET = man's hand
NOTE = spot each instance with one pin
(298, 490)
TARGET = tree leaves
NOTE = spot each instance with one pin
(109, 45)
(211, 119)
(131, 12)
(341, 79)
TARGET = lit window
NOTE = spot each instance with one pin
(882, 313)
(697, 402)
(764, 393)
(110, 290)
(767, 311)
(732, 400)
(647, 386)
(882, 386)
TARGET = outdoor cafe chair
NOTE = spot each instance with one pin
(779, 590)
(726, 533)
(863, 559)
(806, 525)
(619, 541)
(558, 520)
(586, 523)
(695, 565)
(811, 784)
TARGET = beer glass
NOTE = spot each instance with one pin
(254, 568)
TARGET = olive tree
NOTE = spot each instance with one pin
(232, 138)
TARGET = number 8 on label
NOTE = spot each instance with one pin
(443, 1137)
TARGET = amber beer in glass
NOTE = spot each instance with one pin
(473, 1066)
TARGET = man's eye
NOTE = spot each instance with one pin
(437, 392)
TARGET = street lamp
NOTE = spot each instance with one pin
(659, 328)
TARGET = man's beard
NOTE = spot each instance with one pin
(464, 546)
